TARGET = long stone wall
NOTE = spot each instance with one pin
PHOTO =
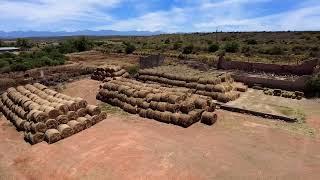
(151, 61)
(306, 68)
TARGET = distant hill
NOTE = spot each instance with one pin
(24, 34)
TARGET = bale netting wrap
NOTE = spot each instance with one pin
(35, 109)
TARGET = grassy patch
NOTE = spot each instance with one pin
(112, 109)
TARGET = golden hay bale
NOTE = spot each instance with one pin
(37, 116)
(52, 136)
(200, 103)
(38, 127)
(76, 126)
(51, 124)
(187, 106)
(211, 107)
(143, 113)
(34, 138)
(52, 112)
(195, 114)
(161, 106)
(165, 117)
(130, 109)
(40, 86)
(20, 123)
(203, 81)
(85, 122)
(81, 103)
(172, 107)
(65, 130)
(72, 115)
(93, 110)
(62, 119)
(153, 105)
(174, 98)
(208, 118)
(81, 112)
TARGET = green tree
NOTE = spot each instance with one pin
(23, 43)
(213, 47)
(188, 49)
(232, 47)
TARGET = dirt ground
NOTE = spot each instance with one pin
(95, 58)
(129, 147)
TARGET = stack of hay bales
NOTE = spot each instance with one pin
(169, 105)
(44, 114)
(286, 94)
(107, 73)
(220, 87)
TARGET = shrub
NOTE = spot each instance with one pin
(130, 48)
(313, 85)
(213, 48)
(133, 70)
(252, 42)
(274, 50)
(177, 45)
(231, 47)
(188, 49)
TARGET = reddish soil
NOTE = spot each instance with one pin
(128, 147)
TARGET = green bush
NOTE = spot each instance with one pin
(252, 42)
(188, 49)
(213, 47)
(130, 48)
(231, 47)
(313, 85)
(133, 70)
(274, 50)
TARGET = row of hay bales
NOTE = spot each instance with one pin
(44, 114)
(221, 88)
(169, 105)
(106, 73)
(287, 94)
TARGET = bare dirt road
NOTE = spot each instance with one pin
(128, 147)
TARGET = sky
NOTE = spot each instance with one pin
(160, 15)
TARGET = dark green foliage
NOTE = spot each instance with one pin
(133, 70)
(274, 50)
(167, 41)
(213, 47)
(252, 42)
(76, 45)
(23, 43)
(313, 85)
(49, 56)
(231, 47)
(130, 48)
(188, 49)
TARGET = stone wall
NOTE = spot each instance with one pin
(306, 68)
(151, 61)
(290, 85)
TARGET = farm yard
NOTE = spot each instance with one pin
(99, 116)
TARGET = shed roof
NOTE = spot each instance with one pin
(8, 48)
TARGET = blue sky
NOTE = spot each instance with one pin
(160, 15)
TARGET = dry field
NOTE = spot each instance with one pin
(129, 147)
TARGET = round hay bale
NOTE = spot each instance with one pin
(195, 115)
(200, 103)
(72, 106)
(174, 98)
(161, 106)
(62, 119)
(52, 112)
(40, 86)
(61, 107)
(65, 130)
(51, 124)
(35, 138)
(187, 106)
(85, 122)
(39, 116)
(81, 103)
(203, 81)
(38, 127)
(81, 112)
(143, 113)
(153, 105)
(208, 118)
(172, 107)
(20, 124)
(52, 136)
(130, 109)
(76, 126)
(72, 115)
(211, 107)
(185, 120)
(102, 116)
(27, 126)
(165, 117)
(93, 110)
(157, 115)
(174, 118)
(132, 101)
